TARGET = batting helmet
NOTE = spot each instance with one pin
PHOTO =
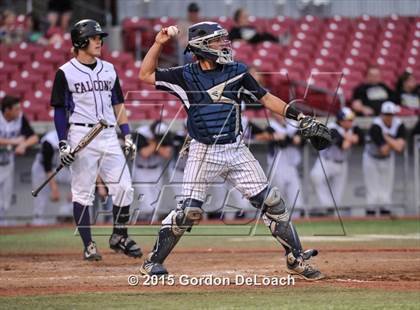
(83, 30)
(346, 114)
(199, 36)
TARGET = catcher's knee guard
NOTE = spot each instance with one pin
(270, 201)
(173, 227)
(276, 217)
(189, 214)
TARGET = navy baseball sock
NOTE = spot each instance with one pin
(82, 218)
(121, 217)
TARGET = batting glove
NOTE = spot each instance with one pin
(130, 149)
(66, 156)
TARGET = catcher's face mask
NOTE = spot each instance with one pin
(211, 43)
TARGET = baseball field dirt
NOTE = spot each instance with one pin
(375, 265)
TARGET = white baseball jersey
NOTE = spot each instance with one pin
(397, 130)
(154, 160)
(52, 138)
(90, 94)
(290, 154)
(8, 130)
(379, 169)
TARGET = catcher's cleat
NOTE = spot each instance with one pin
(298, 266)
(153, 269)
(126, 245)
(91, 252)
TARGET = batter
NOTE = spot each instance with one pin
(87, 89)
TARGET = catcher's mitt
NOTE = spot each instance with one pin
(316, 132)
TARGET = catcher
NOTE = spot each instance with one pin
(211, 90)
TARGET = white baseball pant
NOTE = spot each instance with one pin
(103, 157)
(379, 179)
(337, 177)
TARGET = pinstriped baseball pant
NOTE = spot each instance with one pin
(233, 162)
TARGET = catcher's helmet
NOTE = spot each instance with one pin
(83, 30)
(346, 114)
(199, 35)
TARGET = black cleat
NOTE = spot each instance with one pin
(298, 266)
(126, 245)
(91, 252)
(153, 269)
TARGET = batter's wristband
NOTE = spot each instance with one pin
(125, 129)
(293, 113)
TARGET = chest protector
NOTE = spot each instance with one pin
(214, 113)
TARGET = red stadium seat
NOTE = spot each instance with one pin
(324, 65)
(26, 77)
(16, 58)
(293, 70)
(271, 47)
(263, 65)
(27, 49)
(132, 26)
(45, 115)
(52, 57)
(303, 47)
(145, 95)
(3, 78)
(44, 71)
(39, 96)
(330, 55)
(225, 22)
(267, 56)
(240, 56)
(307, 38)
(121, 58)
(281, 25)
(260, 24)
(162, 22)
(243, 46)
(16, 88)
(8, 69)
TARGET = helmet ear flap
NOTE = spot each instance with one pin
(82, 43)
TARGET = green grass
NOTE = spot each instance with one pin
(51, 239)
(316, 297)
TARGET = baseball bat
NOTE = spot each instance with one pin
(82, 143)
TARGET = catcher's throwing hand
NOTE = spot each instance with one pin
(66, 156)
(316, 132)
(130, 149)
(162, 37)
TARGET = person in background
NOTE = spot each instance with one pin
(155, 150)
(34, 33)
(60, 13)
(46, 160)
(385, 137)
(284, 158)
(193, 17)
(407, 92)
(59, 16)
(243, 30)
(334, 166)
(369, 96)
(16, 135)
(9, 32)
